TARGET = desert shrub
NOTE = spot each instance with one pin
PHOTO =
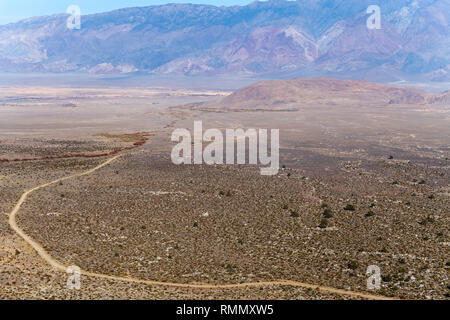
(350, 207)
(323, 223)
(431, 196)
(426, 220)
(369, 214)
(383, 292)
(353, 265)
(230, 268)
(324, 205)
(294, 214)
(327, 214)
(285, 207)
(386, 278)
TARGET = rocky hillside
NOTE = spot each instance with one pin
(325, 91)
(291, 38)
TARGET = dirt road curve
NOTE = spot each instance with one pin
(59, 266)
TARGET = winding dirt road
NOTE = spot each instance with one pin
(61, 267)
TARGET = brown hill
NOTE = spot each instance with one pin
(298, 92)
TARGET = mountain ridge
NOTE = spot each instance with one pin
(263, 38)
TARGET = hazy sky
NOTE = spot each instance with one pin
(15, 10)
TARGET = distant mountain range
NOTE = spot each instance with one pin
(273, 38)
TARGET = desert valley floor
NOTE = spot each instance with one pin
(361, 184)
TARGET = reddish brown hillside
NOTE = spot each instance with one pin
(320, 90)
